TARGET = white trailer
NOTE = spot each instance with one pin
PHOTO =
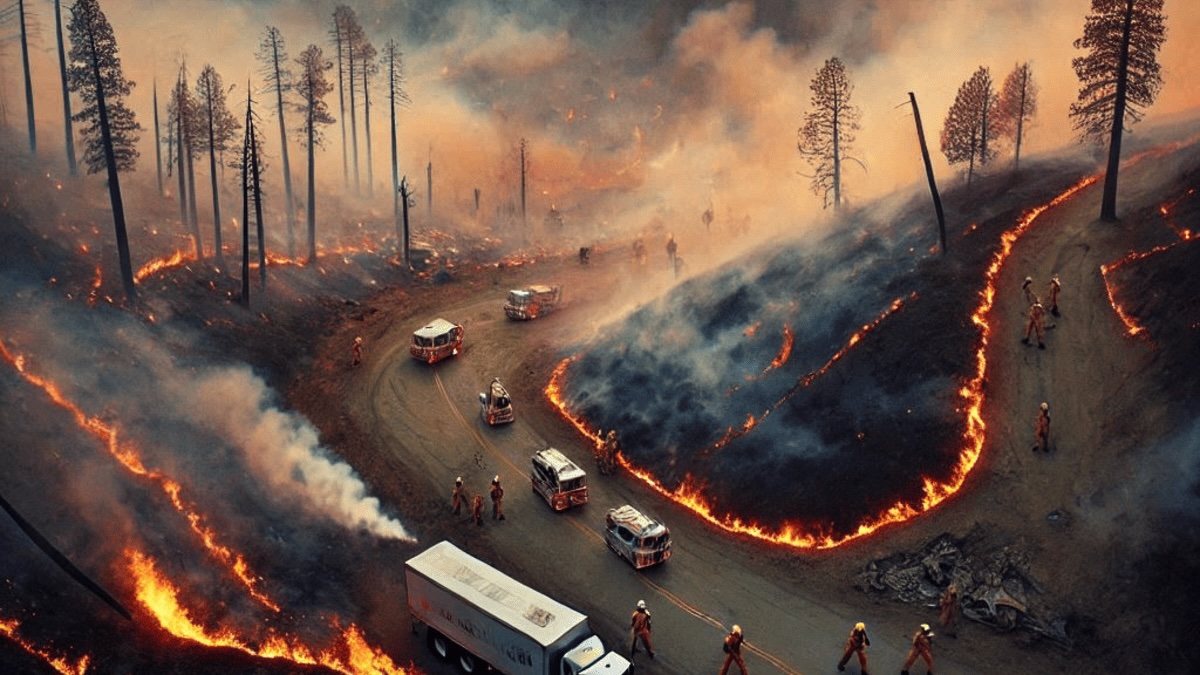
(480, 617)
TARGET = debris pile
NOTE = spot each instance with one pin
(995, 585)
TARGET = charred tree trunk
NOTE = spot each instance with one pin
(256, 190)
(158, 163)
(114, 180)
(937, 199)
(353, 119)
(182, 182)
(28, 81)
(429, 191)
(1108, 202)
(246, 205)
(1021, 116)
(404, 196)
(290, 210)
(837, 156)
(312, 190)
(395, 158)
(367, 132)
(216, 195)
(524, 220)
(193, 218)
(68, 132)
(337, 39)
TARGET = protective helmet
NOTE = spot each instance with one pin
(641, 604)
(496, 480)
(860, 626)
(1028, 280)
(458, 481)
(358, 340)
(924, 628)
(1045, 406)
(737, 630)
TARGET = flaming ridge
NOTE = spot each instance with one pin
(109, 435)
(689, 494)
(181, 257)
(352, 656)
(8, 627)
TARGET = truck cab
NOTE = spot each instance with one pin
(532, 302)
(436, 340)
(558, 480)
(495, 404)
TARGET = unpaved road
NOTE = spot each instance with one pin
(414, 428)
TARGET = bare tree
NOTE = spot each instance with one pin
(336, 33)
(350, 39)
(312, 86)
(965, 134)
(28, 81)
(1120, 77)
(828, 131)
(1017, 106)
(181, 113)
(220, 127)
(110, 129)
(158, 163)
(367, 67)
(250, 168)
(68, 133)
(393, 61)
(272, 53)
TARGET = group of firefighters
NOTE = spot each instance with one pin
(458, 499)
(921, 643)
(605, 453)
(1035, 324)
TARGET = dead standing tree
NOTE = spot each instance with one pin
(350, 37)
(392, 60)
(312, 87)
(272, 54)
(1120, 77)
(1016, 107)
(68, 133)
(182, 113)
(828, 132)
(219, 128)
(28, 80)
(250, 168)
(110, 128)
(366, 68)
(965, 134)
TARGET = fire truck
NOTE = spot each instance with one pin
(558, 480)
(532, 302)
(436, 340)
(495, 404)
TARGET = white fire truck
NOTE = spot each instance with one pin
(532, 302)
(436, 340)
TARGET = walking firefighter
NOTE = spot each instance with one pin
(1041, 429)
(733, 650)
(1052, 292)
(856, 643)
(1027, 288)
(1036, 323)
(497, 499)
(922, 648)
(458, 498)
(640, 629)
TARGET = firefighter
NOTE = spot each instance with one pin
(459, 497)
(1041, 429)
(611, 445)
(857, 642)
(497, 499)
(1027, 287)
(639, 627)
(1036, 323)
(672, 248)
(950, 609)
(1052, 292)
(733, 650)
(477, 509)
(356, 352)
(922, 647)
(585, 253)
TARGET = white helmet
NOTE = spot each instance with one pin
(737, 630)
(1028, 280)
(641, 604)
(1045, 406)
(925, 628)
(458, 481)
(496, 480)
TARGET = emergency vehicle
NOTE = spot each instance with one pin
(436, 340)
(636, 536)
(558, 480)
(532, 302)
(495, 404)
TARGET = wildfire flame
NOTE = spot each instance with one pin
(689, 492)
(352, 656)
(8, 627)
(128, 456)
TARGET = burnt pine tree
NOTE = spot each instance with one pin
(181, 113)
(1016, 106)
(272, 54)
(828, 132)
(218, 128)
(69, 134)
(965, 134)
(337, 36)
(393, 62)
(109, 128)
(350, 39)
(366, 68)
(1120, 77)
(250, 167)
(28, 81)
(312, 86)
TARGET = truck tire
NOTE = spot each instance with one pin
(468, 663)
(439, 645)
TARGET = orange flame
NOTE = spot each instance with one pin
(689, 493)
(352, 656)
(8, 627)
(128, 456)
(785, 349)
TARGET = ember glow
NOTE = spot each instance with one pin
(8, 627)
(130, 458)
(690, 491)
(352, 655)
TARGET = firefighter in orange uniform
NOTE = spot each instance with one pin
(1052, 294)
(639, 627)
(950, 610)
(1041, 429)
(672, 248)
(497, 499)
(477, 509)
(733, 650)
(1027, 287)
(1036, 323)
(922, 647)
(356, 352)
(459, 497)
(857, 642)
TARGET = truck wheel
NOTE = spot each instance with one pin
(467, 663)
(439, 645)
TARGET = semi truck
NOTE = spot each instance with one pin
(479, 617)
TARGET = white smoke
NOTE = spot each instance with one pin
(283, 449)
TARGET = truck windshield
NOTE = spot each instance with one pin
(573, 484)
